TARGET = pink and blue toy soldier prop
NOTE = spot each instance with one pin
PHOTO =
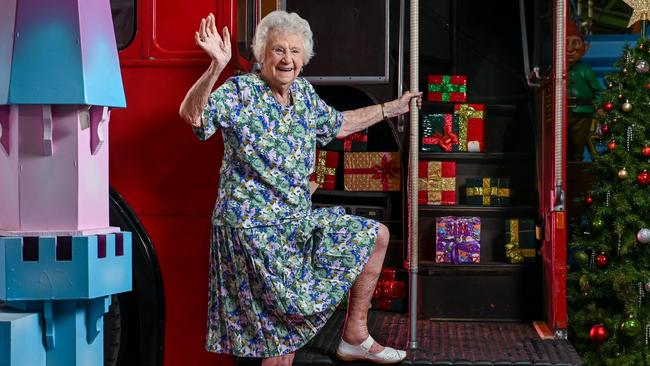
(60, 260)
(68, 282)
(59, 75)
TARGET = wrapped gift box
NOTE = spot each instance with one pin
(372, 171)
(437, 183)
(390, 292)
(487, 191)
(447, 88)
(520, 240)
(458, 239)
(445, 238)
(471, 121)
(357, 141)
(439, 133)
(325, 170)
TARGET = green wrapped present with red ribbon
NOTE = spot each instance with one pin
(372, 171)
(447, 88)
(325, 170)
(440, 132)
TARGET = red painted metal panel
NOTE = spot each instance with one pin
(554, 243)
(173, 24)
(167, 176)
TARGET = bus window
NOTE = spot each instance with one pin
(123, 21)
(249, 13)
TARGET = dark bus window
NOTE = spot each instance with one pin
(123, 21)
(249, 13)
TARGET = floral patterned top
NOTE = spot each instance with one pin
(269, 149)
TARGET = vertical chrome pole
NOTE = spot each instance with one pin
(560, 75)
(400, 62)
(413, 176)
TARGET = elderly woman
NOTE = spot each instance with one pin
(278, 269)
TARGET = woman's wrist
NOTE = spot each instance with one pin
(389, 109)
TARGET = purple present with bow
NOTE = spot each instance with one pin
(458, 239)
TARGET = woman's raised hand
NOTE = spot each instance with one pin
(217, 47)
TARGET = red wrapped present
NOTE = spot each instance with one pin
(447, 88)
(437, 183)
(357, 141)
(389, 293)
(325, 173)
(387, 274)
(372, 171)
(471, 120)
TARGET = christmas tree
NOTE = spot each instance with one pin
(608, 285)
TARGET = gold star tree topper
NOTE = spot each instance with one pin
(641, 10)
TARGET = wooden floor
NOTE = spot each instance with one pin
(446, 343)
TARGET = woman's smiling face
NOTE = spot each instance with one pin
(283, 59)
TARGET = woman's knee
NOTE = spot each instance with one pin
(383, 236)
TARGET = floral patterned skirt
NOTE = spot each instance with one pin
(272, 288)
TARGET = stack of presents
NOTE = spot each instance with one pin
(362, 171)
(458, 239)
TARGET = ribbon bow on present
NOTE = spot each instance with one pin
(385, 170)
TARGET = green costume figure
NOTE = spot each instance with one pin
(582, 90)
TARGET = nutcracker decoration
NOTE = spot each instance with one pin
(60, 259)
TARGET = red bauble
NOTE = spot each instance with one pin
(604, 129)
(643, 178)
(608, 106)
(602, 260)
(646, 151)
(612, 145)
(589, 200)
(598, 333)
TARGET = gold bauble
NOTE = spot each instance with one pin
(625, 70)
(627, 106)
(620, 96)
(622, 174)
(610, 85)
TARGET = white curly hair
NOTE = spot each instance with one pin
(290, 23)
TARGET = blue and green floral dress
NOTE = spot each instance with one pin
(278, 269)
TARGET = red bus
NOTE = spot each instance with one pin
(164, 181)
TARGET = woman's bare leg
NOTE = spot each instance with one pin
(355, 330)
(284, 360)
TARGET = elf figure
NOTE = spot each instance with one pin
(583, 88)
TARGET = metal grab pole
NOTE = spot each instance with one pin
(413, 176)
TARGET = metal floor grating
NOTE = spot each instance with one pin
(446, 343)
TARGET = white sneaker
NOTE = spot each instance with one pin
(348, 352)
